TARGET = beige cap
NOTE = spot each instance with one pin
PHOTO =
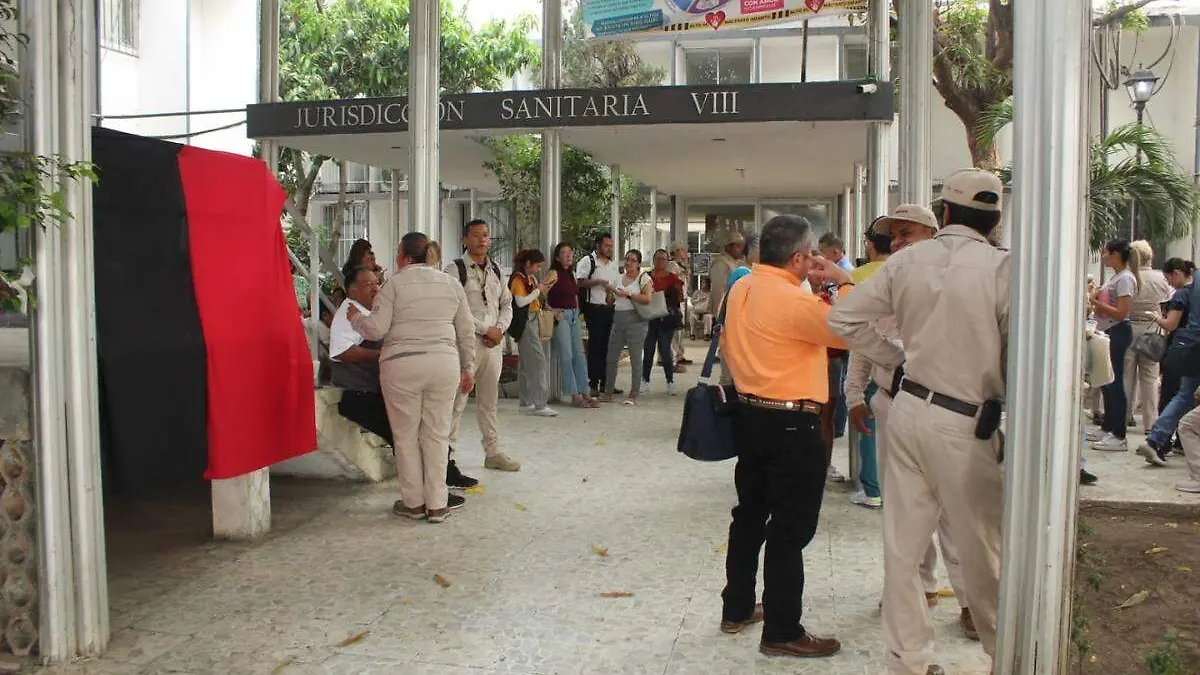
(975, 188)
(906, 213)
(675, 246)
(734, 237)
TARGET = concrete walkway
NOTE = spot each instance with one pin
(513, 583)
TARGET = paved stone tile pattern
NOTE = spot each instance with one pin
(342, 587)
(18, 532)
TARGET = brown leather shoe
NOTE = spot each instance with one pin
(806, 647)
(968, 624)
(735, 627)
(932, 599)
(935, 670)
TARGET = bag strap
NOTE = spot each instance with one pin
(462, 271)
(711, 358)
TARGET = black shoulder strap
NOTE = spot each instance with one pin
(496, 269)
(593, 257)
(715, 342)
(462, 270)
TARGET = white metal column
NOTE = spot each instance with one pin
(845, 223)
(424, 57)
(916, 72)
(654, 220)
(878, 134)
(396, 215)
(552, 50)
(1042, 463)
(858, 225)
(615, 221)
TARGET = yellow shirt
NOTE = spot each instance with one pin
(863, 272)
(775, 337)
(521, 287)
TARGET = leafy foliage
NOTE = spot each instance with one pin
(602, 64)
(1134, 164)
(32, 187)
(331, 49)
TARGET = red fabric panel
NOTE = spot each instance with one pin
(260, 374)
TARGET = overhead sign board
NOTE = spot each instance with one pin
(812, 101)
(639, 18)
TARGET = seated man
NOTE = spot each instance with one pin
(701, 312)
(356, 363)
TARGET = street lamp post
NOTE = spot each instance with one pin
(1141, 86)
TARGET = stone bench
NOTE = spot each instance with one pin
(344, 450)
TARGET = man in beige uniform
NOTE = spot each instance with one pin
(491, 308)
(679, 267)
(908, 224)
(950, 297)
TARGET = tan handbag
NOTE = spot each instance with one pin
(546, 324)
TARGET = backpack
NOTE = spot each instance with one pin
(462, 270)
(584, 293)
(520, 315)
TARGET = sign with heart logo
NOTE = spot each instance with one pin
(715, 19)
(814, 5)
(634, 18)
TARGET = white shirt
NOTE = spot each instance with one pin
(608, 271)
(635, 287)
(342, 335)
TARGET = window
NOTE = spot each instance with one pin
(356, 226)
(719, 66)
(119, 25)
(854, 61)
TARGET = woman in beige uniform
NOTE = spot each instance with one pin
(428, 355)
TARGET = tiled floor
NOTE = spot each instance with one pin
(342, 587)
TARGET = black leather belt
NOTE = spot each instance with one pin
(802, 405)
(940, 400)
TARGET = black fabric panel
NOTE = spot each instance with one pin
(153, 382)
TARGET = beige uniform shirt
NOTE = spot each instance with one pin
(487, 294)
(950, 297)
(718, 277)
(421, 310)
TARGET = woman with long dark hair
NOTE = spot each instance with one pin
(533, 363)
(1112, 305)
(661, 331)
(362, 255)
(563, 300)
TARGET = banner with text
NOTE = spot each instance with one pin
(639, 18)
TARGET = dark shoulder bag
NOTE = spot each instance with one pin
(520, 315)
(707, 431)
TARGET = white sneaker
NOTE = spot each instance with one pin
(671, 389)
(1096, 435)
(1190, 486)
(1151, 455)
(1111, 443)
(835, 476)
(645, 386)
(525, 407)
(862, 499)
(544, 411)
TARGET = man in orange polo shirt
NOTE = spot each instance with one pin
(774, 344)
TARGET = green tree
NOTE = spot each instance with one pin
(1134, 164)
(602, 64)
(973, 59)
(330, 49)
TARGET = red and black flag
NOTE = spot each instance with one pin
(204, 366)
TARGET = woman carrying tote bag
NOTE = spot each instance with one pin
(629, 328)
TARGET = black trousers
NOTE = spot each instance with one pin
(367, 410)
(659, 337)
(780, 479)
(599, 321)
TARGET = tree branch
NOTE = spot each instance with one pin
(1118, 15)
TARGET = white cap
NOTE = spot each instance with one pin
(975, 188)
(906, 213)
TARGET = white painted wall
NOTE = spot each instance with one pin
(192, 55)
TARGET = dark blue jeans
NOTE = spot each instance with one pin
(658, 336)
(1116, 407)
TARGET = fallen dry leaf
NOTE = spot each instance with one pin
(946, 593)
(1156, 549)
(1184, 568)
(617, 594)
(722, 549)
(602, 552)
(1134, 600)
(474, 490)
(406, 601)
(441, 581)
(600, 443)
(277, 670)
(1172, 525)
(354, 639)
(521, 507)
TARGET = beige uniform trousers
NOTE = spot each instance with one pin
(419, 392)
(488, 362)
(1141, 378)
(1189, 438)
(880, 407)
(934, 466)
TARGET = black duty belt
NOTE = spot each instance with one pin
(802, 405)
(940, 400)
